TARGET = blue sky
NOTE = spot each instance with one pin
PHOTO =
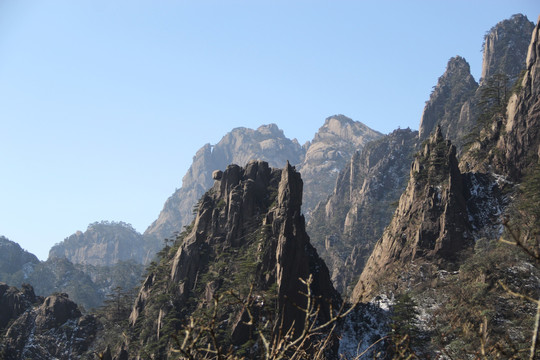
(104, 103)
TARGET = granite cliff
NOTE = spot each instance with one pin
(431, 221)
(505, 47)
(319, 162)
(347, 224)
(519, 141)
(102, 244)
(330, 150)
(443, 108)
(248, 236)
(457, 100)
(239, 146)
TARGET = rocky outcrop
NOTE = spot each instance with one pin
(457, 100)
(14, 302)
(239, 146)
(444, 106)
(13, 257)
(102, 244)
(53, 329)
(15, 263)
(504, 53)
(505, 48)
(248, 231)
(319, 162)
(87, 285)
(520, 140)
(330, 150)
(509, 143)
(345, 227)
(431, 221)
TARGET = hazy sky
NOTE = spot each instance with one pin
(104, 103)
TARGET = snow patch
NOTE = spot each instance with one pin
(366, 325)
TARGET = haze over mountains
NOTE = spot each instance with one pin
(404, 219)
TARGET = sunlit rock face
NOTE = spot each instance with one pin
(345, 227)
(505, 48)
(102, 244)
(330, 150)
(267, 143)
(444, 106)
(430, 222)
(248, 231)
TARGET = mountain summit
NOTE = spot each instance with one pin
(248, 238)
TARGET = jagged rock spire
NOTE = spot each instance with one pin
(255, 210)
(431, 221)
(443, 108)
(505, 48)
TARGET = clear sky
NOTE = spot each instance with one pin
(103, 103)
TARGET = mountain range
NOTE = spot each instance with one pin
(353, 244)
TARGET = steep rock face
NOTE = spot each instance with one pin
(102, 244)
(319, 162)
(53, 329)
(520, 143)
(329, 151)
(508, 143)
(15, 263)
(505, 48)
(241, 145)
(504, 52)
(453, 89)
(248, 231)
(345, 227)
(431, 221)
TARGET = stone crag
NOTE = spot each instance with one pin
(102, 244)
(431, 221)
(347, 224)
(330, 150)
(248, 231)
(43, 329)
(239, 146)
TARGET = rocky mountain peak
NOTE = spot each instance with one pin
(345, 227)
(102, 244)
(431, 220)
(13, 258)
(248, 231)
(241, 145)
(508, 142)
(45, 329)
(270, 129)
(443, 108)
(329, 151)
(343, 128)
(519, 142)
(505, 48)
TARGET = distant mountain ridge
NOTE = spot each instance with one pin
(345, 226)
(239, 146)
(320, 160)
(103, 243)
(14, 261)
